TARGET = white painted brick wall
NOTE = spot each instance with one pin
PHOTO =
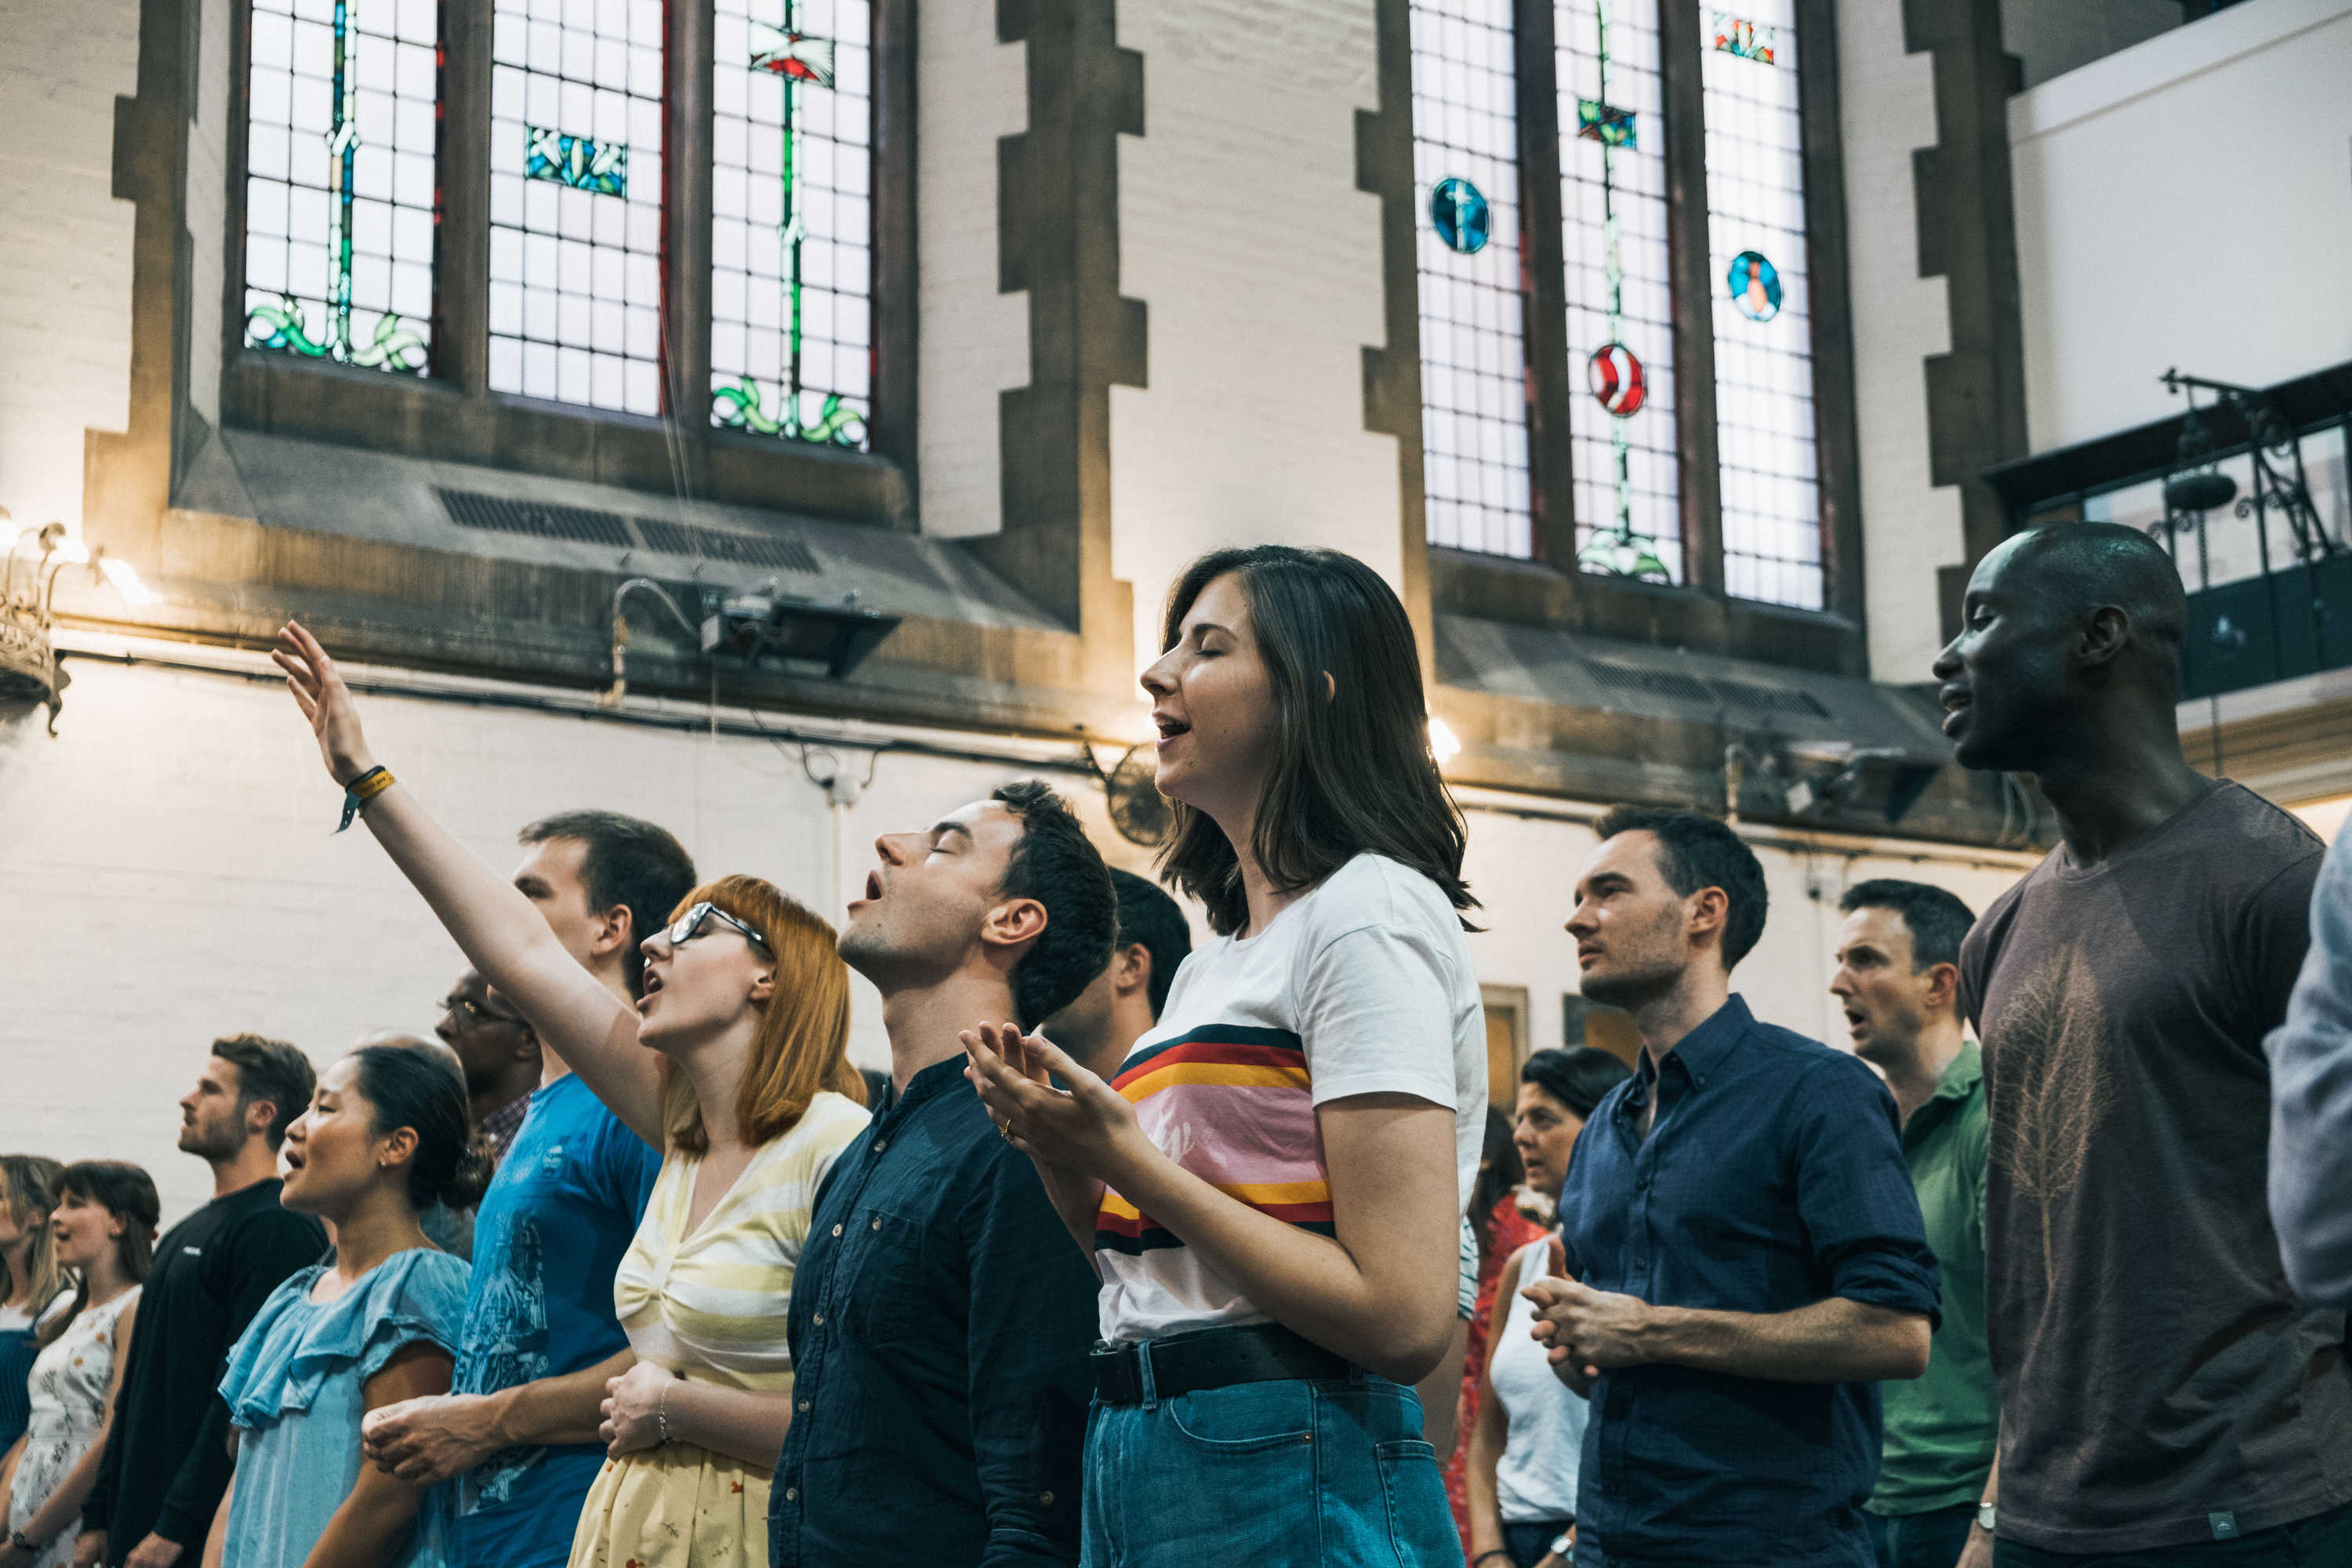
(1909, 528)
(65, 245)
(1242, 228)
(974, 342)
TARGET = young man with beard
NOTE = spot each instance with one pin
(2164, 1396)
(166, 1462)
(1897, 970)
(1741, 1258)
(500, 1057)
(518, 1429)
(940, 1318)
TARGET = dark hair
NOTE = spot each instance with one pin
(1352, 775)
(1148, 915)
(271, 1070)
(32, 1193)
(1057, 865)
(1694, 851)
(631, 862)
(1579, 1079)
(425, 1092)
(1936, 919)
(127, 1192)
(1498, 1172)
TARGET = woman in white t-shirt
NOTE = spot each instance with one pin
(1272, 1185)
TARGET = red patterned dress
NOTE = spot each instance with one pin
(1509, 1227)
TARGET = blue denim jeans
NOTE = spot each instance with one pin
(1930, 1540)
(1288, 1474)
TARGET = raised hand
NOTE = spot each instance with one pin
(326, 703)
(1089, 1127)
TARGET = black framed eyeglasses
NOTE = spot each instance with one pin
(475, 1015)
(687, 926)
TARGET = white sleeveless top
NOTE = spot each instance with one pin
(1535, 1482)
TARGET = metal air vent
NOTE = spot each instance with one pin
(540, 520)
(776, 553)
(1666, 683)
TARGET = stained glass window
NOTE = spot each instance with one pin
(792, 224)
(1763, 305)
(341, 214)
(1619, 297)
(576, 202)
(1473, 347)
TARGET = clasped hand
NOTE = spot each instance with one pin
(427, 1440)
(632, 1408)
(1087, 1127)
(1585, 1331)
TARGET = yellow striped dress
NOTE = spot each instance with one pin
(710, 1306)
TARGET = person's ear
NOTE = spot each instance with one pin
(617, 931)
(2104, 636)
(1012, 923)
(259, 1115)
(763, 985)
(1705, 913)
(397, 1147)
(1330, 686)
(1130, 969)
(1943, 984)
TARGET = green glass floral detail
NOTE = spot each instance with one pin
(1624, 554)
(737, 404)
(395, 345)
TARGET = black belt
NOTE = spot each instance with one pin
(1212, 1358)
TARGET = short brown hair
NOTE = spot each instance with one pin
(803, 1043)
(271, 1070)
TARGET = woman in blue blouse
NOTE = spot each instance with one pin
(385, 1135)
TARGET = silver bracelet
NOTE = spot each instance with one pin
(661, 1412)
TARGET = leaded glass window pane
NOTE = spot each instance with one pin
(1763, 307)
(1473, 347)
(576, 202)
(791, 227)
(1621, 346)
(341, 204)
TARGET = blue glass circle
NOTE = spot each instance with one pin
(1461, 216)
(1755, 285)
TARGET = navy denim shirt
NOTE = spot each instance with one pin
(1773, 1178)
(940, 1324)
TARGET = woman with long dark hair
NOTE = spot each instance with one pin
(104, 1224)
(384, 1138)
(32, 1286)
(1526, 1442)
(735, 1064)
(1273, 1185)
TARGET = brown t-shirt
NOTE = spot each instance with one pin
(2159, 1385)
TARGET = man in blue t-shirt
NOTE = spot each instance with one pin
(519, 1425)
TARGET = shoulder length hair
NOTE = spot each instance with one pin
(802, 1047)
(127, 1193)
(1353, 772)
(31, 1181)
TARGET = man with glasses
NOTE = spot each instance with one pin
(518, 1427)
(500, 1057)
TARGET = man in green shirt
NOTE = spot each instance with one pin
(1897, 973)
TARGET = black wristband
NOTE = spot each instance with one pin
(1492, 1552)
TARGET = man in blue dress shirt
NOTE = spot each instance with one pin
(1742, 1258)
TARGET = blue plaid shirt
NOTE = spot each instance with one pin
(1773, 1178)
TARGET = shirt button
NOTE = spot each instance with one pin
(1046, 1498)
(880, 1144)
(878, 1222)
(818, 1319)
(792, 1494)
(837, 1230)
(803, 1404)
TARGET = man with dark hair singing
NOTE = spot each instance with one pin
(1124, 1000)
(166, 1462)
(2164, 1396)
(1897, 958)
(940, 1320)
(1741, 1257)
(517, 1428)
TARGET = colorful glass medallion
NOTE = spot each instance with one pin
(1755, 285)
(1618, 384)
(601, 168)
(792, 56)
(1462, 219)
(1738, 36)
(1604, 123)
